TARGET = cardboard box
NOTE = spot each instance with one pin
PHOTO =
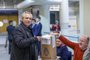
(48, 47)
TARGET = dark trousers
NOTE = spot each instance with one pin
(39, 48)
(9, 48)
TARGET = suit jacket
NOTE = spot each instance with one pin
(24, 44)
(10, 28)
(38, 29)
(34, 29)
(63, 52)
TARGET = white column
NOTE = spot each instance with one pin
(85, 17)
(45, 18)
(81, 17)
(64, 19)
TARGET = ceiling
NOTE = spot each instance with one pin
(22, 3)
(9, 3)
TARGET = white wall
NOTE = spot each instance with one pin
(85, 17)
(64, 17)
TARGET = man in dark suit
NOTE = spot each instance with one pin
(62, 51)
(38, 32)
(10, 28)
(38, 27)
(24, 43)
(33, 27)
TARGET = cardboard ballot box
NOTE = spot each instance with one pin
(48, 47)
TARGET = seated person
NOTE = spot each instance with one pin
(62, 51)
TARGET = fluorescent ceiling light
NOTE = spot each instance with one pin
(29, 0)
(1, 23)
(55, 0)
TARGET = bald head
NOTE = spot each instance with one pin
(85, 37)
(83, 42)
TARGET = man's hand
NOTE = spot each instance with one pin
(56, 34)
(39, 38)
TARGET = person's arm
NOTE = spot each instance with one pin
(22, 42)
(67, 42)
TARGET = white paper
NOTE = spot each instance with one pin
(46, 36)
(46, 39)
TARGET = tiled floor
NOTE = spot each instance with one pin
(4, 53)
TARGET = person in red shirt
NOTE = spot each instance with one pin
(78, 48)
